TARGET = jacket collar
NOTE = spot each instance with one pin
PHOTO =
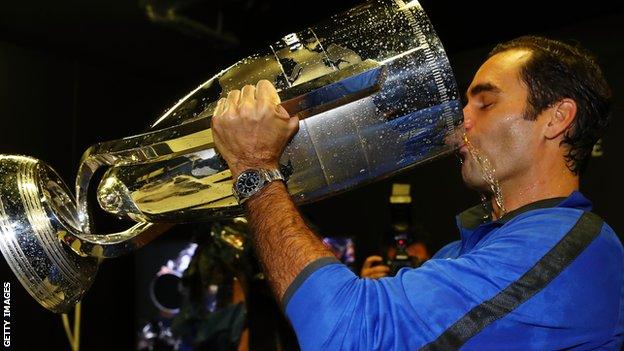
(480, 214)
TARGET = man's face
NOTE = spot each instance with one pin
(494, 122)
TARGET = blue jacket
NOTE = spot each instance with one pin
(547, 276)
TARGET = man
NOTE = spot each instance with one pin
(538, 272)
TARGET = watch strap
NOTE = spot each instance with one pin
(267, 176)
(271, 175)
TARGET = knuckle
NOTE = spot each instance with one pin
(249, 113)
(226, 114)
(295, 127)
(246, 110)
(226, 118)
(264, 105)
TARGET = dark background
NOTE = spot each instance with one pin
(76, 72)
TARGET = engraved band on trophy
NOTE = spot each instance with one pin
(374, 92)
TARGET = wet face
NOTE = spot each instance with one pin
(494, 121)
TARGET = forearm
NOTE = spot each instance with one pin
(283, 242)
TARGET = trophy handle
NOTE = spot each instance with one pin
(114, 244)
(161, 145)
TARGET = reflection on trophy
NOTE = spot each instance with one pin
(374, 93)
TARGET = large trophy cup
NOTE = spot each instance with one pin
(374, 93)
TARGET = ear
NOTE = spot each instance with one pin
(561, 117)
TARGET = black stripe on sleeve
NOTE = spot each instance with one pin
(303, 275)
(539, 276)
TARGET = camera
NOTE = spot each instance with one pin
(401, 257)
(401, 234)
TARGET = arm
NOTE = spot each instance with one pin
(283, 242)
(251, 131)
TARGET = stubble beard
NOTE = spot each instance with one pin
(473, 176)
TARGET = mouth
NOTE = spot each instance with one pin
(462, 154)
(463, 149)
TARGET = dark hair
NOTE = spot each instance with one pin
(555, 71)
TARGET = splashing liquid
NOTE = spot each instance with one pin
(488, 173)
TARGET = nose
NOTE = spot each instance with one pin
(468, 120)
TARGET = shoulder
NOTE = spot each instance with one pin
(450, 250)
(536, 233)
(557, 218)
(552, 224)
(547, 226)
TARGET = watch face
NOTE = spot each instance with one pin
(248, 183)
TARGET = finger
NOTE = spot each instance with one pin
(232, 99)
(281, 112)
(378, 275)
(266, 90)
(247, 94)
(379, 269)
(220, 107)
(366, 273)
(368, 263)
(372, 259)
(293, 124)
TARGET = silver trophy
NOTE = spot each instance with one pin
(374, 93)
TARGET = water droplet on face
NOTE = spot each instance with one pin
(488, 174)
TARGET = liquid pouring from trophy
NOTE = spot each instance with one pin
(374, 92)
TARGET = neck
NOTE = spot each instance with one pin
(535, 186)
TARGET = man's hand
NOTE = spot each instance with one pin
(251, 129)
(370, 270)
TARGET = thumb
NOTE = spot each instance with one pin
(293, 124)
(370, 260)
(281, 112)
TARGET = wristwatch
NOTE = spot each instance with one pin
(252, 181)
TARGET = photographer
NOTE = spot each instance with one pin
(405, 243)
(408, 250)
